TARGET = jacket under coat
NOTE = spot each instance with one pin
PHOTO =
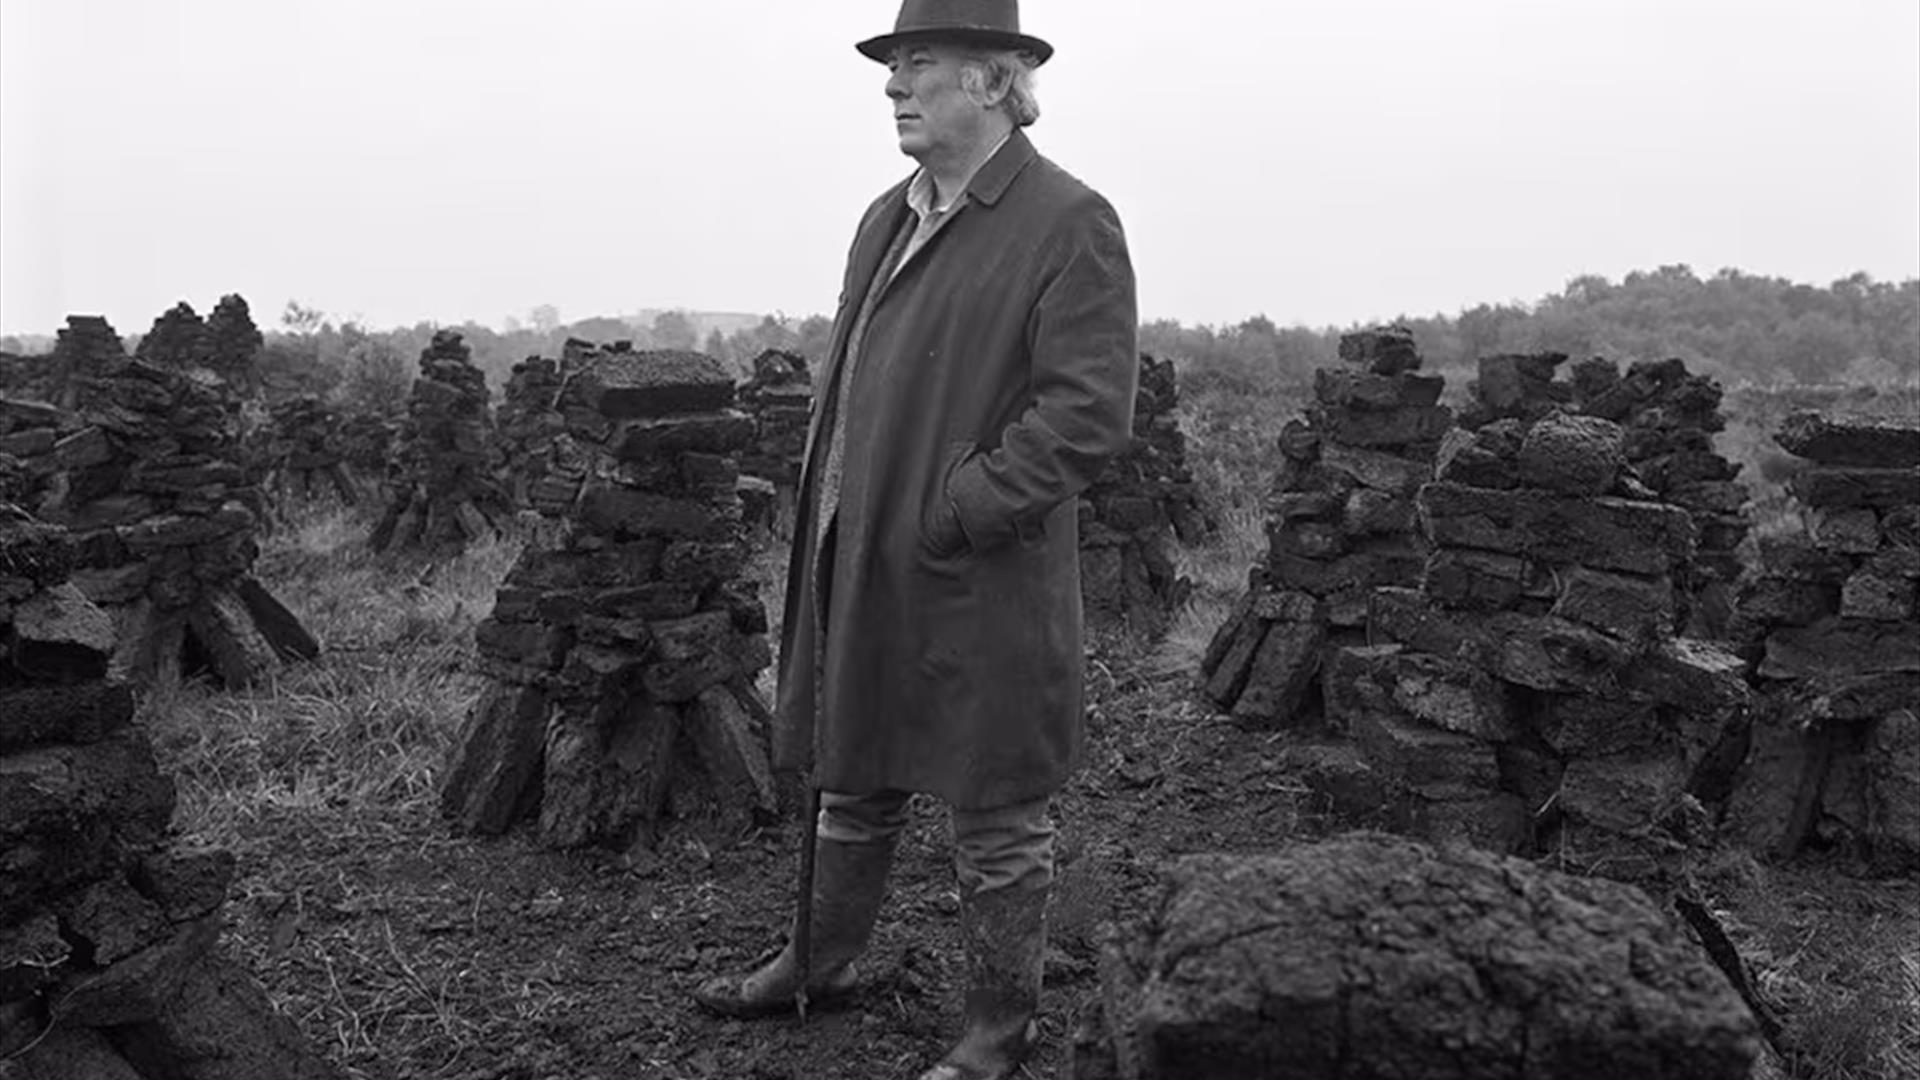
(995, 380)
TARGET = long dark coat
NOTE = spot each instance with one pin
(995, 380)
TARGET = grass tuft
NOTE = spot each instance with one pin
(364, 728)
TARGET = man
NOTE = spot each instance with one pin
(981, 373)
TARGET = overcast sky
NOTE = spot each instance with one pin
(1319, 162)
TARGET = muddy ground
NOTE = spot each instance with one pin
(406, 951)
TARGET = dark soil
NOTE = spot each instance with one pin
(405, 950)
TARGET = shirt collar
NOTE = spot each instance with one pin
(920, 191)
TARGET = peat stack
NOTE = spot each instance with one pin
(779, 397)
(545, 467)
(622, 661)
(87, 346)
(447, 495)
(1531, 695)
(369, 445)
(178, 338)
(1340, 524)
(1131, 514)
(165, 519)
(110, 963)
(1372, 956)
(305, 454)
(233, 343)
(1669, 418)
(1835, 753)
(29, 432)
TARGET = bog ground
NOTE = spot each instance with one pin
(405, 950)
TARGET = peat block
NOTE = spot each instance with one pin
(1374, 956)
(1882, 489)
(627, 386)
(1573, 455)
(1828, 441)
(1608, 533)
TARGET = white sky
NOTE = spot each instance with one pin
(1320, 162)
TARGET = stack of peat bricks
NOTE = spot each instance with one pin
(1669, 417)
(368, 443)
(545, 468)
(29, 430)
(1375, 956)
(151, 485)
(1340, 524)
(622, 661)
(779, 397)
(305, 458)
(178, 338)
(110, 966)
(448, 495)
(1835, 750)
(85, 347)
(1531, 694)
(1131, 514)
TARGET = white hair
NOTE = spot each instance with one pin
(986, 71)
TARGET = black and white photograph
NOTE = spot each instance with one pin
(959, 540)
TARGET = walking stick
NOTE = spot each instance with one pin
(803, 928)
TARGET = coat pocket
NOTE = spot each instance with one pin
(941, 533)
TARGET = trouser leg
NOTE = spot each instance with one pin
(854, 843)
(1004, 860)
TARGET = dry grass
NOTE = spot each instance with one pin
(365, 727)
(1837, 960)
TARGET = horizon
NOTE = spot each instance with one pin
(393, 164)
(270, 324)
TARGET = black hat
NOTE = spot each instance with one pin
(993, 23)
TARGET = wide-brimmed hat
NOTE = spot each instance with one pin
(992, 23)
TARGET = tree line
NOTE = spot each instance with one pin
(1735, 326)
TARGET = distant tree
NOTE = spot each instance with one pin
(602, 330)
(813, 339)
(178, 339)
(299, 319)
(674, 330)
(377, 380)
(716, 346)
(545, 318)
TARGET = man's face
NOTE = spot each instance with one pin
(931, 112)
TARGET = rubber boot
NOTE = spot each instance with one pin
(849, 882)
(1005, 933)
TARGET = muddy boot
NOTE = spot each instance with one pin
(1005, 931)
(849, 882)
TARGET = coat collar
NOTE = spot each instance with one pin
(993, 178)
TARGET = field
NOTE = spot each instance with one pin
(404, 950)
